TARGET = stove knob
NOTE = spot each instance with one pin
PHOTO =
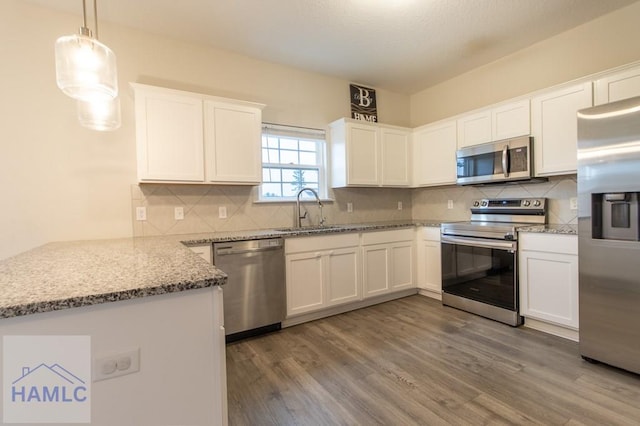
(526, 203)
(476, 203)
(537, 203)
(485, 203)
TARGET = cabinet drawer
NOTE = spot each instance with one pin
(430, 233)
(384, 237)
(321, 242)
(551, 243)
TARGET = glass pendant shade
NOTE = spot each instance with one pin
(85, 68)
(100, 114)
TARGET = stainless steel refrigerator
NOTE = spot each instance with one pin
(609, 233)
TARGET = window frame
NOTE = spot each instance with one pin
(300, 134)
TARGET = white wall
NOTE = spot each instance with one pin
(60, 181)
(176, 384)
(604, 43)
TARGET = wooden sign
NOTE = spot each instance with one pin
(363, 103)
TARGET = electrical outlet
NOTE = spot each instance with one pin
(449, 204)
(349, 207)
(178, 213)
(573, 203)
(141, 213)
(120, 364)
(399, 205)
(222, 212)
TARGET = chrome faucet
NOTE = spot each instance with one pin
(300, 217)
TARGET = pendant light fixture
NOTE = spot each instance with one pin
(101, 114)
(85, 68)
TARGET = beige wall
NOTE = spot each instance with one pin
(62, 182)
(604, 43)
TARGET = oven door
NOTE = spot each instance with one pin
(480, 275)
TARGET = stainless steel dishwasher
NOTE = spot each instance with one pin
(254, 296)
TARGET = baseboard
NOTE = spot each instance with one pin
(556, 330)
(340, 309)
(430, 293)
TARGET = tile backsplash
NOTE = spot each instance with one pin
(201, 205)
(432, 203)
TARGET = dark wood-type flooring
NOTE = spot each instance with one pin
(414, 362)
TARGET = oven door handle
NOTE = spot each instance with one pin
(475, 242)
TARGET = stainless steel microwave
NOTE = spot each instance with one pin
(501, 161)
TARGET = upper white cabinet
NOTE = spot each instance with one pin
(554, 128)
(169, 135)
(434, 154)
(549, 279)
(193, 138)
(365, 154)
(617, 86)
(491, 124)
(232, 135)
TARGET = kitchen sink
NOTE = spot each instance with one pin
(309, 228)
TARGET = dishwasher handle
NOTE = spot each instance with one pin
(246, 247)
(223, 251)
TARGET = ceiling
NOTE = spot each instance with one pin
(399, 45)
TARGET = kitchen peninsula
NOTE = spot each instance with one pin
(100, 288)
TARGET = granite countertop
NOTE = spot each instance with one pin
(206, 238)
(65, 275)
(566, 229)
(72, 274)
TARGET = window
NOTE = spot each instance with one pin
(292, 159)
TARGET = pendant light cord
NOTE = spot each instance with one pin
(95, 17)
(84, 13)
(84, 30)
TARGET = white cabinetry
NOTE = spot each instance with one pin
(193, 138)
(434, 154)
(617, 86)
(491, 124)
(365, 154)
(388, 261)
(204, 251)
(322, 271)
(429, 262)
(555, 130)
(549, 282)
(169, 136)
(232, 142)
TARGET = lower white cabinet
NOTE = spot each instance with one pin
(549, 278)
(321, 272)
(429, 266)
(387, 261)
(204, 251)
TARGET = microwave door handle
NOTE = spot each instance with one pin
(505, 160)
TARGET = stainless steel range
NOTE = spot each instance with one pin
(479, 258)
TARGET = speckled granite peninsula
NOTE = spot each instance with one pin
(65, 275)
